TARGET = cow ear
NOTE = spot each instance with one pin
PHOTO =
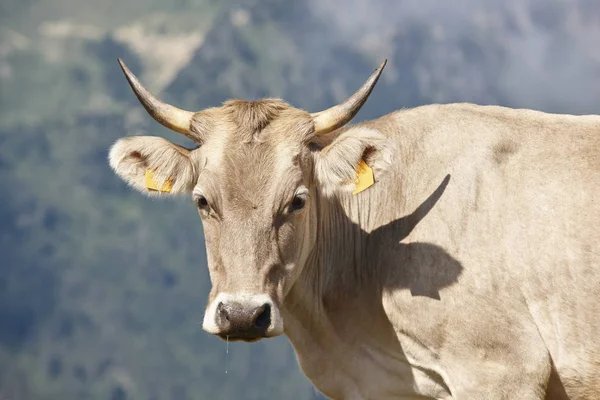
(340, 166)
(153, 165)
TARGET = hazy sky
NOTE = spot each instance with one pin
(550, 49)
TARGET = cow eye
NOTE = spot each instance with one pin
(201, 202)
(298, 203)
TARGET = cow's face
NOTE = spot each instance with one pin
(255, 179)
(255, 196)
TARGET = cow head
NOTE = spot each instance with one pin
(256, 178)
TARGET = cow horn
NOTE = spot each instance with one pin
(167, 115)
(337, 116)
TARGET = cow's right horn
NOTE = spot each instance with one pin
(337, 116)
(167, 115)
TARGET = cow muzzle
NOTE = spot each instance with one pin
(242, 317)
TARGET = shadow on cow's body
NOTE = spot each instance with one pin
(423, 268)
(335, 314)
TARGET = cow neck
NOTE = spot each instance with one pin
(337, 277)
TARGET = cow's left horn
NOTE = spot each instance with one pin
(337, 116)
(167, 115)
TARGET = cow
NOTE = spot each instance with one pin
(448, 251)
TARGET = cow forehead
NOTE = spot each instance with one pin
(248, 167)
(256, 172)
(253, 174)
(252, 149)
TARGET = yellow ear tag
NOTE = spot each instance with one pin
(364, 177)
(152, 185)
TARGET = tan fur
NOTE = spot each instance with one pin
(470, 270)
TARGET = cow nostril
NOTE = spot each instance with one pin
(222, 311)
(264, 318)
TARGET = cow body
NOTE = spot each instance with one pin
(469, 270)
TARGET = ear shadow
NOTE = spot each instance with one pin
(423, 268)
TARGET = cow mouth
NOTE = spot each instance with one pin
(241, 338)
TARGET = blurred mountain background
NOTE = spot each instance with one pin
(102, 291)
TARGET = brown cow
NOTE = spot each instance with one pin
(469, 270)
